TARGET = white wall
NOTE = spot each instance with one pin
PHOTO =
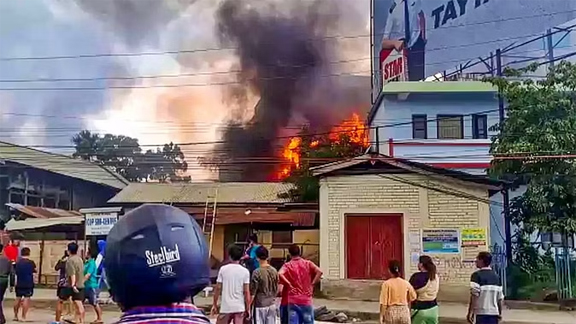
(393, 111)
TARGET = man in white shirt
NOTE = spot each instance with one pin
(233, 283)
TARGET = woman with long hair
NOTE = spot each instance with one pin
(395, 297)
(426, 284)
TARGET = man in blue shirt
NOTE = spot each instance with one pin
(24, 269)
(250, 259)
(156, 261)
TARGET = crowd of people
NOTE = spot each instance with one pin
(248, 287)
(414, 301)
(77, 282)
(157, 261)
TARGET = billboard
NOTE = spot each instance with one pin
(415, 39)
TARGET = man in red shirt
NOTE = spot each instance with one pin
(299, 277)
(11, 251)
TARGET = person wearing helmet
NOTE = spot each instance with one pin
(156, 260)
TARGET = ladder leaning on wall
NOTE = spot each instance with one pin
(210, 219)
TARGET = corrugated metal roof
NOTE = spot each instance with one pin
(437, 87)
(412, 166)
(228, 192)
(34, 223)
(61, 164)
(43, 212)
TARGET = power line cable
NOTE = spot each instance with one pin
(202, 50)
(239, 71)
(225, 83)
(345, 130)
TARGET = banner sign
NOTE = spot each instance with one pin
(474, 237)
(99, 223)
(440, 241)
(440, 35)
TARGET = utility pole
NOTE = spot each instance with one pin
(505, 193)
(550, 48)
(373, 73)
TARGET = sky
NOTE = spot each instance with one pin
(47, 118)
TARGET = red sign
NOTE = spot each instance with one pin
(393, 64)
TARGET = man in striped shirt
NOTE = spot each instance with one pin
(486, 295)
(156, 261)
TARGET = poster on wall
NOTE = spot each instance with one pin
(474, 237)
(440, 241)
(438, 35)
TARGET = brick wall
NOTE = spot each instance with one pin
(422, 208)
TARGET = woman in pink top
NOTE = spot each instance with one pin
(395, 297)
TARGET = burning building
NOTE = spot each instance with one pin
(284, 58)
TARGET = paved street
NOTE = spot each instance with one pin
(450, 313)
(45, 316)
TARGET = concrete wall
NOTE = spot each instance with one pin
(393, 112)
(394, 118)
(53, 251)
(421, 207)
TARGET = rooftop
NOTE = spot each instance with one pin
(198, 193)
(61, 164)
(437, 87)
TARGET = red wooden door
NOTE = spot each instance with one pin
(371, 242)
(386, 237)
(357, 246)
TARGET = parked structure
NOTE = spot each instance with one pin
(374, 208)
(30, 177)
(241, 208)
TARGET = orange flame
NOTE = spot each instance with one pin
(291, 155)
(352, 128)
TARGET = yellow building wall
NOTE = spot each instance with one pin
(218, 243)
(421, 207)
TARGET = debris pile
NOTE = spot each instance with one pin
(325, 315)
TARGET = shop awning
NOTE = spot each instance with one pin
(36, 223)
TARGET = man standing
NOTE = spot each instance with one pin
(74, 283)
(264, 288)
(250, 259)
(91, 284)
(233, 282)
(24, 269)
(299, 276)
(486, 295)
(6, 277)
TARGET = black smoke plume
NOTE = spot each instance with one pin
(282, 57)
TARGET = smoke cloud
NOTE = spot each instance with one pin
(278, 46)
(284, 56)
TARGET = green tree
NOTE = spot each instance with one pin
(539, 129)
(165, 165)
(124, 155)
(533, 148)
(316, 150)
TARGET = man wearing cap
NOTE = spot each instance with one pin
(156, 260)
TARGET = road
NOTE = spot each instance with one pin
(37, 316)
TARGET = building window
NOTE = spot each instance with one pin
(450, 126)
(479, 126)
(282, 238)
(419, 126)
